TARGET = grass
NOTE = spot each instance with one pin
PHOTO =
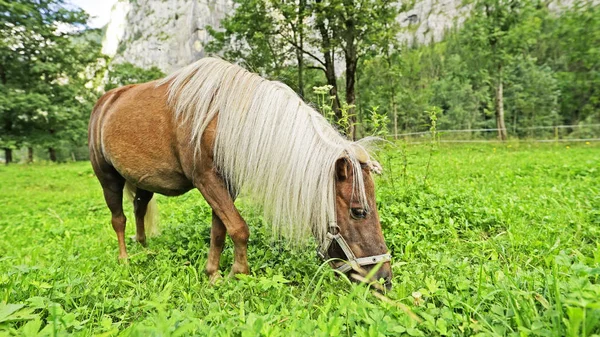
(499, 240)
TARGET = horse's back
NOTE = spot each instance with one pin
(132, 130)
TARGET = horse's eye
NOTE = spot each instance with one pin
(358, 213)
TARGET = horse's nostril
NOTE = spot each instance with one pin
(386, 277)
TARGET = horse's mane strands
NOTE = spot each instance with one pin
(269, 143)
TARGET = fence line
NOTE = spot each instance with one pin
(559, 127)
(556, 127)
(521, 140)
(440, 131)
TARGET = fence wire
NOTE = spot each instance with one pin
(544, 134)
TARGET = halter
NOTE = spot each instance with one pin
(352, 262)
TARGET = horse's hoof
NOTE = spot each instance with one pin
(141, 241)
(234, 274)
(215, 278)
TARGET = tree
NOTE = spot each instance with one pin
(255, 34)
(358, 27)
(572, 49)
(268, 34)
(513, 64)
(121, 74)
(47, 55)
(498, 30)
(534, 94)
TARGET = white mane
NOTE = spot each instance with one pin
(268, 143)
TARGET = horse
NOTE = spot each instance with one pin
(218, 128)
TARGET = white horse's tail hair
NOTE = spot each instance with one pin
(151, 218)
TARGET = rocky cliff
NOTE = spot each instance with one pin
(171, 33)
(165, 33)
(427, 20)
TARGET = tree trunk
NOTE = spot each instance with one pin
(301, 7)
(52, 154)
(358, 131)
(332, 81)
(500, 108)
(392, 93)
(351, 57)
(300, 73)
(351, 94)
(394, 112)
(8, 158)
(30, 154)
(328, 55)
(3, 78)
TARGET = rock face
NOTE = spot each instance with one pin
(171, 33)
(165, 33)
(427, 21)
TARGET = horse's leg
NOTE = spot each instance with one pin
(217, 241)
(112, 186)
(216, 194)
(140, 205)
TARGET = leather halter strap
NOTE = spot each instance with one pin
(352, 261)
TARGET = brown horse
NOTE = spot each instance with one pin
(221, 129)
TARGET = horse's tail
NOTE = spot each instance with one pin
(151, 217)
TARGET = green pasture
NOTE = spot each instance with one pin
(487, 240)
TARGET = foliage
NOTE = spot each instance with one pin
(500, 241)
(121, 74)
(267, 35)
(376, 124)
(433, 113)
(324, 101)
(534, 94)
(545, 61)
(47, 61)
(572, 51)
(255, 36)
(540, 64)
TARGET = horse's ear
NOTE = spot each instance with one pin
(375, 167)
(342, 166)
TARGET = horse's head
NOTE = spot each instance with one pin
(357, 236)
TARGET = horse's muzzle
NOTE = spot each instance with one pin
(383, 274)
(386, 276)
